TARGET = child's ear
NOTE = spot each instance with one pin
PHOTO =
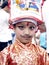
(36, 29)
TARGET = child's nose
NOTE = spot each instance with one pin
(26, 31)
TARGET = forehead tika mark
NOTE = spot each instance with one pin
(27, 23)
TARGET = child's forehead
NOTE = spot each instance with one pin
(25, 23)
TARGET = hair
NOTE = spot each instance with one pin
(14, 25)
(5, 3)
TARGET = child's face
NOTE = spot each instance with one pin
(25, 31)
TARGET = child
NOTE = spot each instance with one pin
(22, 51)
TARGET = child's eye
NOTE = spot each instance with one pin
(21, 27)
(32, 27)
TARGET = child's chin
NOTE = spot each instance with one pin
(25, 42)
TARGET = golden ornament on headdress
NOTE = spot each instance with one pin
(18, 1)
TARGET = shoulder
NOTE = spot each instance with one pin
(7, 49)
(39, 49)
(5, 55)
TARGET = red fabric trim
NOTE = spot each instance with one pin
(31, 17)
